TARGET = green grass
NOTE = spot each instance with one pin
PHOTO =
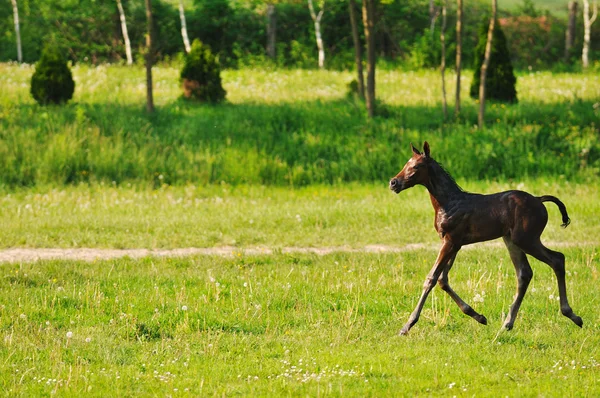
(346, 215)
(288, 128)
(293, 325)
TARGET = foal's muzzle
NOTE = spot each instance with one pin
(395, 185)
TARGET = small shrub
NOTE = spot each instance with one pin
(500, 83)
(52, 81)
(201, 75)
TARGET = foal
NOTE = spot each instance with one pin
(462, 218)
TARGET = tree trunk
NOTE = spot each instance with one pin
(459, 12)
(317, 20)
(271, 31)
(125, 34)
(17, 30)
(484, 66)
(368, 16)
(587, 27)
(443, 62)
(434, 12)
(570, 34)
(149, 57)
(357, 50)
(184, 34)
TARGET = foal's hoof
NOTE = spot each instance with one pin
(508, 326)
(578, 321)
(481, 319)
(403, 332)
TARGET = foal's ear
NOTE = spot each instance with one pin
(415, 150)
(426, 149)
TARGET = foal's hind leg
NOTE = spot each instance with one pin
(524, 275)
(464, 307)
(556, 261)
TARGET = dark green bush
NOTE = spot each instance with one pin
(500, 83)
(52, 81)
(201, 75)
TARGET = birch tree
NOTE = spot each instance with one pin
(443, 62)
(368, 10)
(587, 27)
(149, 58)
(459, 10)
(317, 20)
(17, 30)
(357, 49)
(484, 66)
(184, 34)
(125, 33)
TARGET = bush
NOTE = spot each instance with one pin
(500, 83)
(201, 75)
(52, 81)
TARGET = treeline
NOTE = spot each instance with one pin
(89, 31)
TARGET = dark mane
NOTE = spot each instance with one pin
(440, 173)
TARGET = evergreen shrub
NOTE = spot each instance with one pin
(201, 75)
(52, 81)
(500, 83)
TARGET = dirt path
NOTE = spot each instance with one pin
(90, 254)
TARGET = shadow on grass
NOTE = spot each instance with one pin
(295, 143)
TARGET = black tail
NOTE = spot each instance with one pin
(561, 206)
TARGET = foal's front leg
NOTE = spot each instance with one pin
(446, 254)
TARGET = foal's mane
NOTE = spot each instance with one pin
(441, 174)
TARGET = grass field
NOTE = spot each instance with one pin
(283, 324)
(293, 325)
(347, 215)
(288, 162)
(288, 128)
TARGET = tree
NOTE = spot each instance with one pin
(484, 66)
(500, 80)
(357, 49)
(459, 12)
(149, 57)
(52, 81)
(587, 27)
(17, 30)
(368, 18)
(125, 34)
(317, 20)
(443, 62)
(570, 33)
(201, 75)
(271, 31)
(184, 33)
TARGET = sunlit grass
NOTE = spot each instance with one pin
(248, 216)
(293, 325)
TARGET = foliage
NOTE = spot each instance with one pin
(201, 75)
(89, 31)
(500, 83)
(52, 81)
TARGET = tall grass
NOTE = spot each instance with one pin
(287, 128)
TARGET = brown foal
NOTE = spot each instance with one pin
(462, 218)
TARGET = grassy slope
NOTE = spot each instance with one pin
(293, 325)
(287, 128)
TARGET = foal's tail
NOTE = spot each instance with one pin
(561, 206)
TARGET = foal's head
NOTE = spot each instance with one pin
(414, 172)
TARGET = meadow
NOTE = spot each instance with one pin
(289, 161)
(288, 128)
